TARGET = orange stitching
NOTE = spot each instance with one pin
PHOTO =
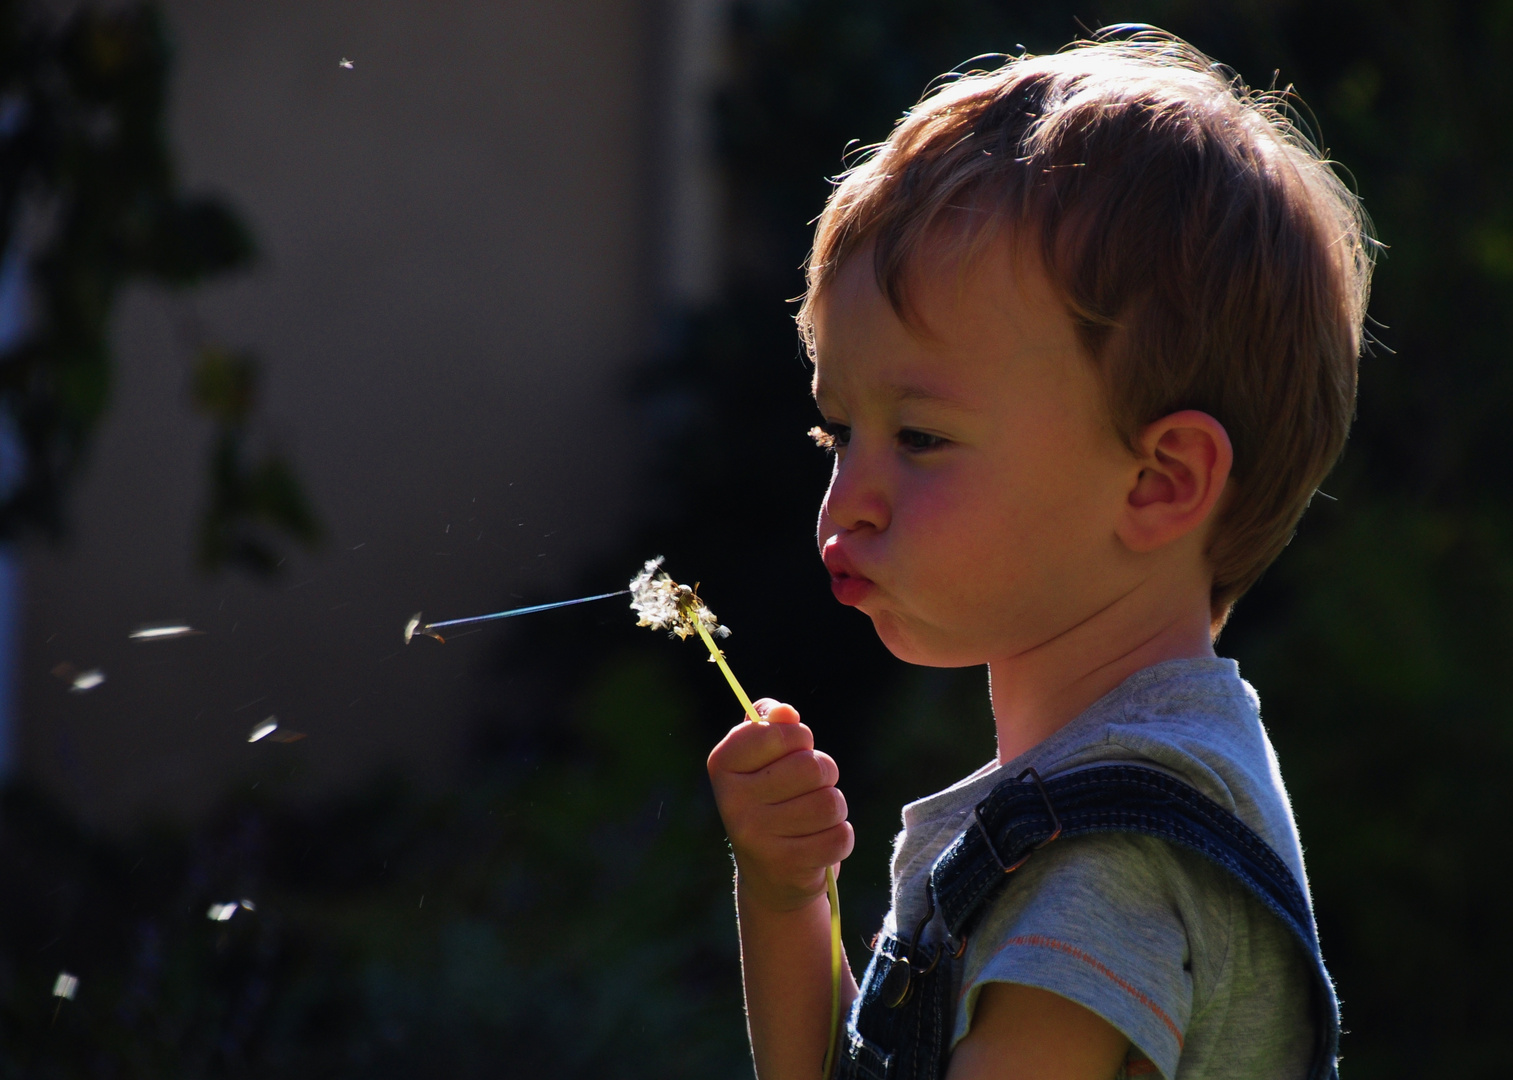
(1071, 950)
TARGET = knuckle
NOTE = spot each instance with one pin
(838, 806)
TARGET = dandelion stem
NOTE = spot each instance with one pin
(832, 894)
(719, 658)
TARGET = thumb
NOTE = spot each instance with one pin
(776, 712)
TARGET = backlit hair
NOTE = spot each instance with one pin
(1208, 253)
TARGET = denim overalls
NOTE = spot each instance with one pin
(900, 1026)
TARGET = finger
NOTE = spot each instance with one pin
(749, 747)
(792, 775)
(811, 813)
(820, 850)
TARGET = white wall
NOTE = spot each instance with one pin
(457, 271)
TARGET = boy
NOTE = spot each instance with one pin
(1085, 333)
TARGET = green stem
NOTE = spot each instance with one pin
(832, 894)
(719, 658)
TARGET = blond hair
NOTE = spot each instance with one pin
(1207, 251)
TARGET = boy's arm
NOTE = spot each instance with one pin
(786, 822)
(1025, 1033)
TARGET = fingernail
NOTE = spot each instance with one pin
(762, 708)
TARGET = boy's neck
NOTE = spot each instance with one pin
(1037, 693)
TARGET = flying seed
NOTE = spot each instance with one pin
(66, 986)
(86, 681)
(163, 633)
(221, 912)
(263, 730)
(346, 63)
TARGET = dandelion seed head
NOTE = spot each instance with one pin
(662, 604)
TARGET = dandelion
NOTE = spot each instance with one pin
(662, 604)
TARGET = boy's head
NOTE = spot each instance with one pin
(1203, 258)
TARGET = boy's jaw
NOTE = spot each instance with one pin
(848, 584)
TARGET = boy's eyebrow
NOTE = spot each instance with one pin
(901, 392)
(908, 392)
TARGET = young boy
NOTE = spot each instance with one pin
(1085, 333)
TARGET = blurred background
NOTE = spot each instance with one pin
(317, 313)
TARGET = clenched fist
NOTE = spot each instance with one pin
(784, 815)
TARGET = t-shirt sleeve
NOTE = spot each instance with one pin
(1097, 919)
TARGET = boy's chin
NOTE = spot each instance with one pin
(914, 647)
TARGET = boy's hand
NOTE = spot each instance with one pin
(782, 811)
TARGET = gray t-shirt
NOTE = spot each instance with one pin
(1166, 947)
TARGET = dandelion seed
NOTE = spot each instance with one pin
(66, 986)
(346, 63)
(414, 627)
(221, 912)
(86, 681)
(163, 633)
(248, 905)
(263, 730)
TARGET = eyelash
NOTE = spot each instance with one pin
(831, 437)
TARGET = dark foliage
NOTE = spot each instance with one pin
(89, 202)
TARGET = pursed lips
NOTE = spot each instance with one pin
(847, 582)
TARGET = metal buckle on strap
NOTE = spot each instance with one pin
(988, 839)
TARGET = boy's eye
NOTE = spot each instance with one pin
(910, 439)
(830, 436)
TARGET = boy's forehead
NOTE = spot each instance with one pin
(962, 317)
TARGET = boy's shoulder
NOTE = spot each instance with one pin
(1199, 721)
(1164, 945)
(1195, 719)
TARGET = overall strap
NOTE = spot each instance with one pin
(1022, 815)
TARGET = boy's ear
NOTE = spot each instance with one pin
(1184, 461)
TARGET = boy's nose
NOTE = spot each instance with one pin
(855, 499)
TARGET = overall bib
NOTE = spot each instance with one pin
(901, 1024)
